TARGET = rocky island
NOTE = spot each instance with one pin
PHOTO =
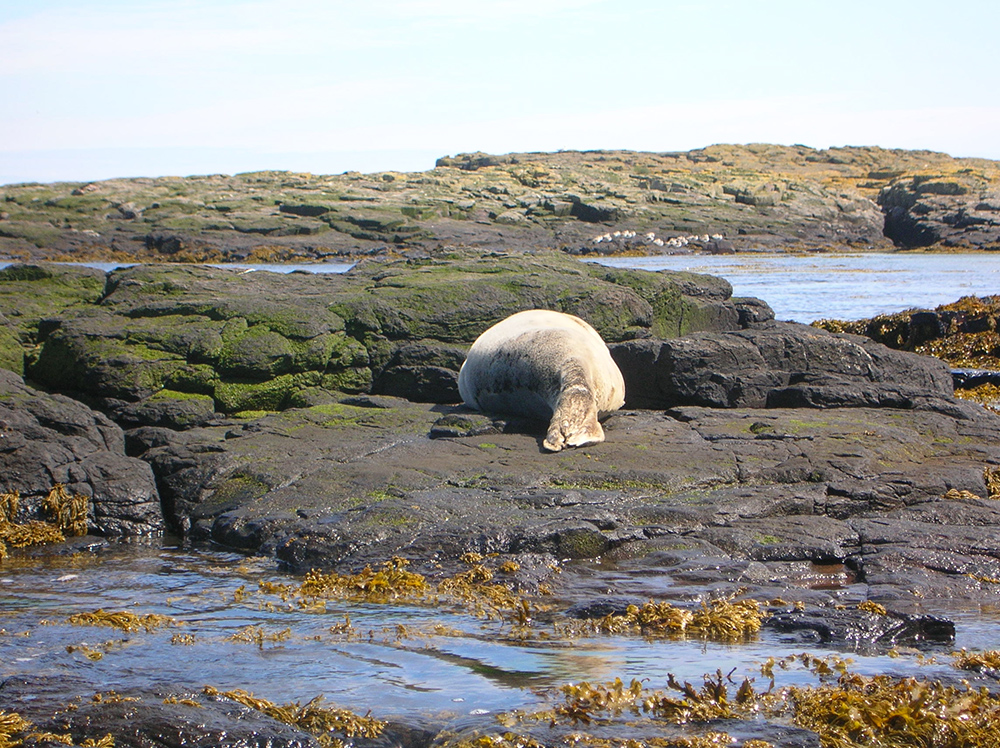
(722, 198)
(314, 419)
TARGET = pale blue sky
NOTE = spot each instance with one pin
(92, 89)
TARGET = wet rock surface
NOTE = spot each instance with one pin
(896, 499)
(746, 455)
(48, 439)
(313, 420)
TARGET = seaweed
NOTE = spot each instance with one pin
(67, 515)
(988, 661)
(722, 619)
(127, 622)
(313, 717)
(885, 711)
(257, 635)
(848, 711)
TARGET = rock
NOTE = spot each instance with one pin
(30, 294)
(763, 196)
(254, 341)
(776, 365)
(169, 718)
(51, 439)
(862, 629)
(922, 211)
(173, 410)
(762, 498)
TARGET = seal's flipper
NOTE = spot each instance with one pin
(574, 423)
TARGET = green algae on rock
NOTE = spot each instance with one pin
(254, 341)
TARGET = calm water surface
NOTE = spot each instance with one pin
(805, 288)
(421, 675)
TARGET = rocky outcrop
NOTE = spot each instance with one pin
(924, 211)
(32, 293)
(747, 455)
(718, 199)
(893, 504)
(172, 345)
(46, 440)
(776, 364)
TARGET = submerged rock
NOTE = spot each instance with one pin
(866, 629)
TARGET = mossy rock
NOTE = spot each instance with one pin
(453, 299)
(11, 351)
(103, 366)
(30, 293)
(259, 353)
(194, 378)
(170, 409)
(293, 305)
(234, 396)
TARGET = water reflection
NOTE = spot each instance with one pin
(397, 658)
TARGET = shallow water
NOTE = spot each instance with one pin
(805, 288)
(410, 673)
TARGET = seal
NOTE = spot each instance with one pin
(545, 365)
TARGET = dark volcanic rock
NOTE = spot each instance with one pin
(51, 439)
(776, 365)
(861, 629)
(887, 502)
(750, 470)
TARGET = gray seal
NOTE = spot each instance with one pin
(545, 365)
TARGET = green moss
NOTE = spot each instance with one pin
(259, 353)
(348, 380)
(11, 351)
(767, 539)
(234, 396)
(168, 395)
(39, 234)
(251, 415)
(607, 484)
(195, 378)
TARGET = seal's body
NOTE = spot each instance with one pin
(546, 365)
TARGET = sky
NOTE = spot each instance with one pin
(96, 89)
